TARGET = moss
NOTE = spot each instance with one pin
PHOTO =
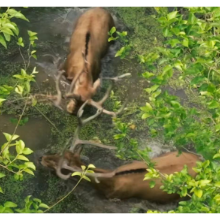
(53, 190)
(14, 190)
(142, 26)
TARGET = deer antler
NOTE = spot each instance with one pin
(76, 141)
(64, 164)
(99, 104)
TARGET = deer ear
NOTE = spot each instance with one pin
(96, 85)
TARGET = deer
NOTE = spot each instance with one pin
(125, 181)
(81, 70)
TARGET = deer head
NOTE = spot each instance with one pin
(78, 90)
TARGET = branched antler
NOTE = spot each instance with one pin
(77, 141)
(99, 104)
(64, 164)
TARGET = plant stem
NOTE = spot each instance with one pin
(49, 120)
(65, 195)
(15, 128)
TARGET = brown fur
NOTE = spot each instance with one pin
(96, 22)
(128, 181)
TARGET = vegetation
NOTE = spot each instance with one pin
(182, 53)
(190, 56)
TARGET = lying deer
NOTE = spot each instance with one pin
(88, 45)
(125, 181)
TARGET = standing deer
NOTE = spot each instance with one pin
(88, 45)
(125, 181)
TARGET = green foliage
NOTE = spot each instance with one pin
(13, 162)
(31, 206)
(203, 190)
(7, 27)
(13, 152)
(190, 54)
(121, 36)
(24, 81)
(85, 170)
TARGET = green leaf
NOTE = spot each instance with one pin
(76, 174)
(20, 145)
(166, 32)
(147, 75)
(10, 204)
(216, 13)
(2, 175)
(151, 89)
(152, 184)
(185, 42)
(20, 42)
(16, 14)
(173, 42)
(172, 15)
(2, 100)
(1, 191)
(217, 127)
(147, 108)
(19, 89)
(30, 165)
(10, 25)
(204, 182)
(29, 171)
(7, 31)
(22, 157)
(216, 156)
(198, 192)
(34, 56)
(31, 33)
(27, 151)
(217, 184)
(86, 178)
(7, 136)
(146, 115)
(42, 205)
(37, 200)
(7, 37)
(213, 104)
(120, 52)
(192, 19)
(112, 31)
(91, 166)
